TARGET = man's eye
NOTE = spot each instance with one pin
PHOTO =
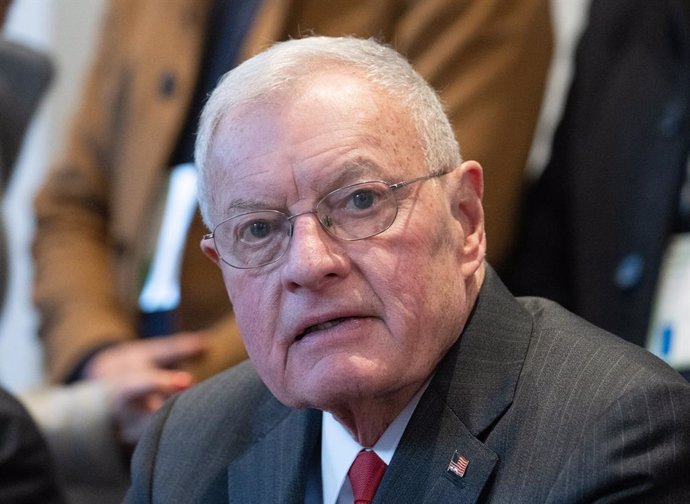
(256, 230)
(260, 229)
(363, 199)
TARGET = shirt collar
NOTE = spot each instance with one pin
(339, 449)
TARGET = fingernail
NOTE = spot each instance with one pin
(181, 381)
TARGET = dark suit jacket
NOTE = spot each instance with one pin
(27, 475)
(599, 219)
(546, 408)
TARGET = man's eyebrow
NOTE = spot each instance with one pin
(243, 205)
(353, 171)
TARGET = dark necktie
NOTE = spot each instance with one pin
(365, 475)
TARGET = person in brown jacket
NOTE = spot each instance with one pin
(97, 209)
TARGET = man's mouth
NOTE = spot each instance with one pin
(320, 327)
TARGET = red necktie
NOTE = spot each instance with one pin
(365, 475)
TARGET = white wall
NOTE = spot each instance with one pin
(66, 30)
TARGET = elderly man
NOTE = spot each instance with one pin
(386, 358)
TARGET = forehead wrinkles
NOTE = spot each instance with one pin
(348, 172)
(331, 130)
(234, 144)
(370, 109)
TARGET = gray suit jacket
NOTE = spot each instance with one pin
(546, 408)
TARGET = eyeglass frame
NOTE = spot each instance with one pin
(291, 217)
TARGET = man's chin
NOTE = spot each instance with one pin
(336, 391)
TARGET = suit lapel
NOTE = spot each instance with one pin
(479, 375)
(473, 386)
(419, 470)
(274, 468)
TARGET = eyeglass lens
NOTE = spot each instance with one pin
(353, 212)
(350, 213)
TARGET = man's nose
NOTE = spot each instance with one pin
(314, 256)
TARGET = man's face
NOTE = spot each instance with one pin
(332, 321)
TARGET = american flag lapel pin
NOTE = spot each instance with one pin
(458, 464)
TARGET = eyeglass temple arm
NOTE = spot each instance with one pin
(404, 183)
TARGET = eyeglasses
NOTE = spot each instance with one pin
(350, 213)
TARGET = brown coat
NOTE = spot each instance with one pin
(488, 58)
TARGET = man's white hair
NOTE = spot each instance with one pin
(281, 69)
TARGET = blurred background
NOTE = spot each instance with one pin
(66, 31)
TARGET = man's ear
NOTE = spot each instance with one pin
(209, 249)
(468, 210)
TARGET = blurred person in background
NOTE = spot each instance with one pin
(606, 228)
(27, 472)
(82, 423)
(98, 212)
